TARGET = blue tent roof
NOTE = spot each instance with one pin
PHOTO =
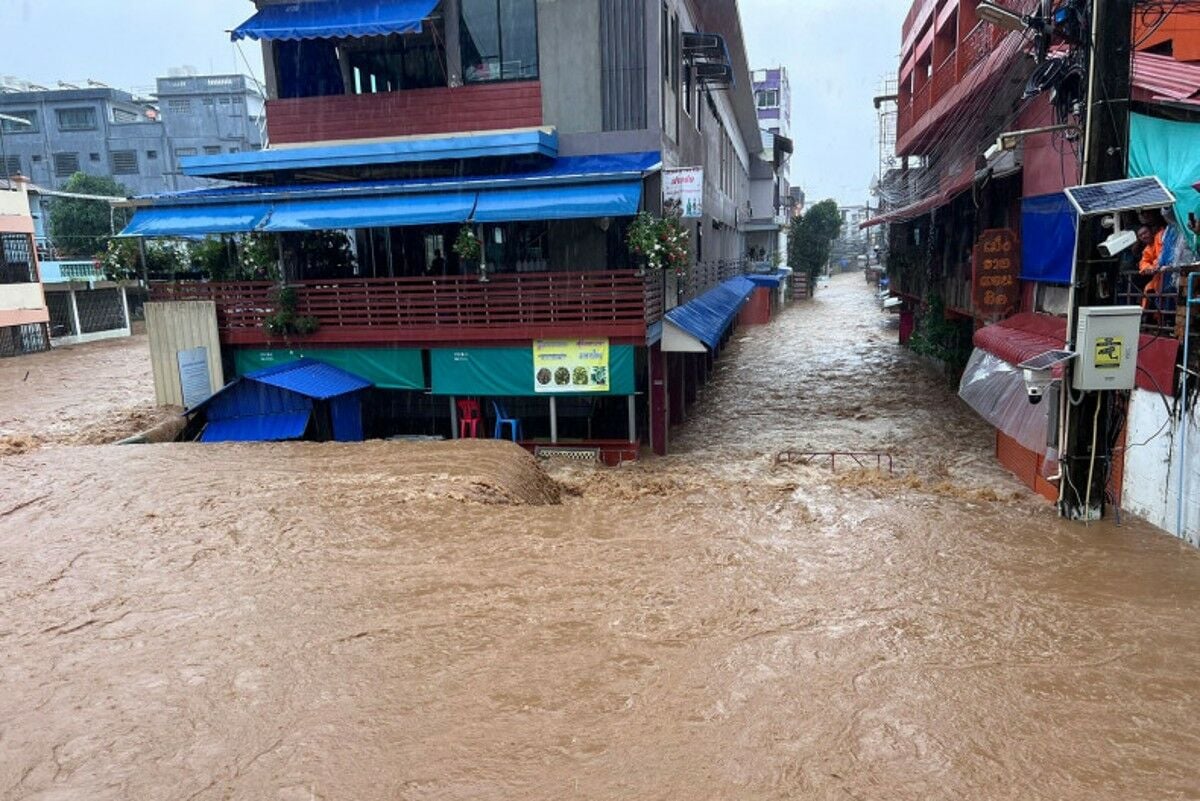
(414, 150)
(572, 202)
(310, 378)
(259, 428)
(329, 19)
(225, 219)
(707, 317)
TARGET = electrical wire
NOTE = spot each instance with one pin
(1087, 499)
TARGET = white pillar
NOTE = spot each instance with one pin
(553, 419)
(76, 328)
(125, 310)
(632, 418)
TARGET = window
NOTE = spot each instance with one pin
(94, 157)
(212, 150)
(66, 164)
(76, 119)
(16, 259)
(185, 151)
(235, 150)
(12, 166)
(10, 127)
(224, 101)
(121, 115)
(179, 105)
(499, 40)
(151, 155)
(124, 162)
(209, 102)
(767, 98)
(37, 159)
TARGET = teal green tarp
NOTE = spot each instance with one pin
(1170, 150)
(508, 372)
(386, 368)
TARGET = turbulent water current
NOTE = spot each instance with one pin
(450, 621)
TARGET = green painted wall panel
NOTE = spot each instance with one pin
(387, 368)
(509, 371)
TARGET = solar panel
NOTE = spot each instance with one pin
(1047, 360)
(1124, 195)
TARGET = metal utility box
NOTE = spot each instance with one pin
(1107, 346)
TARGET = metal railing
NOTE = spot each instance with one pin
(860, 459)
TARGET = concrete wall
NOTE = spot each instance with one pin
(569, 63)
(175, 326)
(1152, 470)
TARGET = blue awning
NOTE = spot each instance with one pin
(310, 378)
(707, 317)
(185, 221)
(559, 202)
(259, 428)
(371, 212)
(329, 19)
(771, 280)
(246, 164)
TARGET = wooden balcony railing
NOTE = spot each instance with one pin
(615, 304)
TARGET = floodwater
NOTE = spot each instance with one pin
(444, 621)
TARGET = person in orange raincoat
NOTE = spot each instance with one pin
(1149, 265)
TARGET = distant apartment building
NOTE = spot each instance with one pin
(773, 97)
(770, 189)
(99, 130)
(23, 313)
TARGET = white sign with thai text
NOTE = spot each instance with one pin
(683, 190)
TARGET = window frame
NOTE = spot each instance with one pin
(8, 128)
(91, 110)
(462, 34)
(65, 154)
(122, 169)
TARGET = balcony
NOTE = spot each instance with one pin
(440, 110)
(618, 304)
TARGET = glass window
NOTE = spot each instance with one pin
(212, 150)
(76, 119)
(767, 98)
(499, 40)
(10, 126)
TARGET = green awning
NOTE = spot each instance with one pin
(508, 372)
(386, 368)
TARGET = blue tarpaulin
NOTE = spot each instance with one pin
(260, 428)
(1047, 238)
(574, 201)
(772, 280)
(310, 378)
(1171, 151)
(371, 212)
(327, 19)
(707, 317)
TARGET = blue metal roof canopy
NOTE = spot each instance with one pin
(707, 317)
(329, 19)
(571, 188)
(276, 403)
(246, 164)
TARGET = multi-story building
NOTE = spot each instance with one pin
(770, 187)
(23, 312)
(773, 98)
(957, 186)
(103, 131)
(536, 128)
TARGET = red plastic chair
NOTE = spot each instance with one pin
(469, 418)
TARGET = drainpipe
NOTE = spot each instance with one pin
(1183, 417)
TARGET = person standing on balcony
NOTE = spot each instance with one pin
(1151, 255)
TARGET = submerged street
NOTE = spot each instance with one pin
(445, 621)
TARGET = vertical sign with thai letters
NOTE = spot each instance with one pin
(995, 283)
(683, 190)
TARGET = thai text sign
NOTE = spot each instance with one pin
(997, 265)
(683, 191)
(570, 365)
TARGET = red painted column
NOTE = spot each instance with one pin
(659, 402)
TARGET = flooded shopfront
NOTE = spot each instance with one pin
(449, 621)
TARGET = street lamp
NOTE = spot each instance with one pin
(1000, 17)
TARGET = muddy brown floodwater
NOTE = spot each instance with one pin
(444, 621)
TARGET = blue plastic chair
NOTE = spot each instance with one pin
(503, 418)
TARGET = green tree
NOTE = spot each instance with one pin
(83, 227)
(811, 238)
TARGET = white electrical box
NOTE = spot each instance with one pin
(1106, 342)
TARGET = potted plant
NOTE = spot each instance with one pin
(470, 250)
(658, 243)
(284, 321)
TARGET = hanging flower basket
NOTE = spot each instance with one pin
(659, 243)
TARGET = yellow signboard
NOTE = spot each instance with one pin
(570, 365)
(1108, 353)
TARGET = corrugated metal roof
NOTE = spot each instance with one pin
(1165, 78)
(260, 428)
(707, 317)
(310, 378)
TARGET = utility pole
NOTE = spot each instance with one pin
(1085, 460)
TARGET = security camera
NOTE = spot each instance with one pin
(1117, 242)
(1036, 383)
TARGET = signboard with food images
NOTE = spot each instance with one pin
(570, 365)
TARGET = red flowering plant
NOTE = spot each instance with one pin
(660, 243)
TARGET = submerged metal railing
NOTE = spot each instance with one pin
(862, 459)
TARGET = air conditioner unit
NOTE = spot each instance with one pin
(703, 45)
(713, 73)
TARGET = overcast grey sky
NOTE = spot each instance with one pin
(836, 52)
